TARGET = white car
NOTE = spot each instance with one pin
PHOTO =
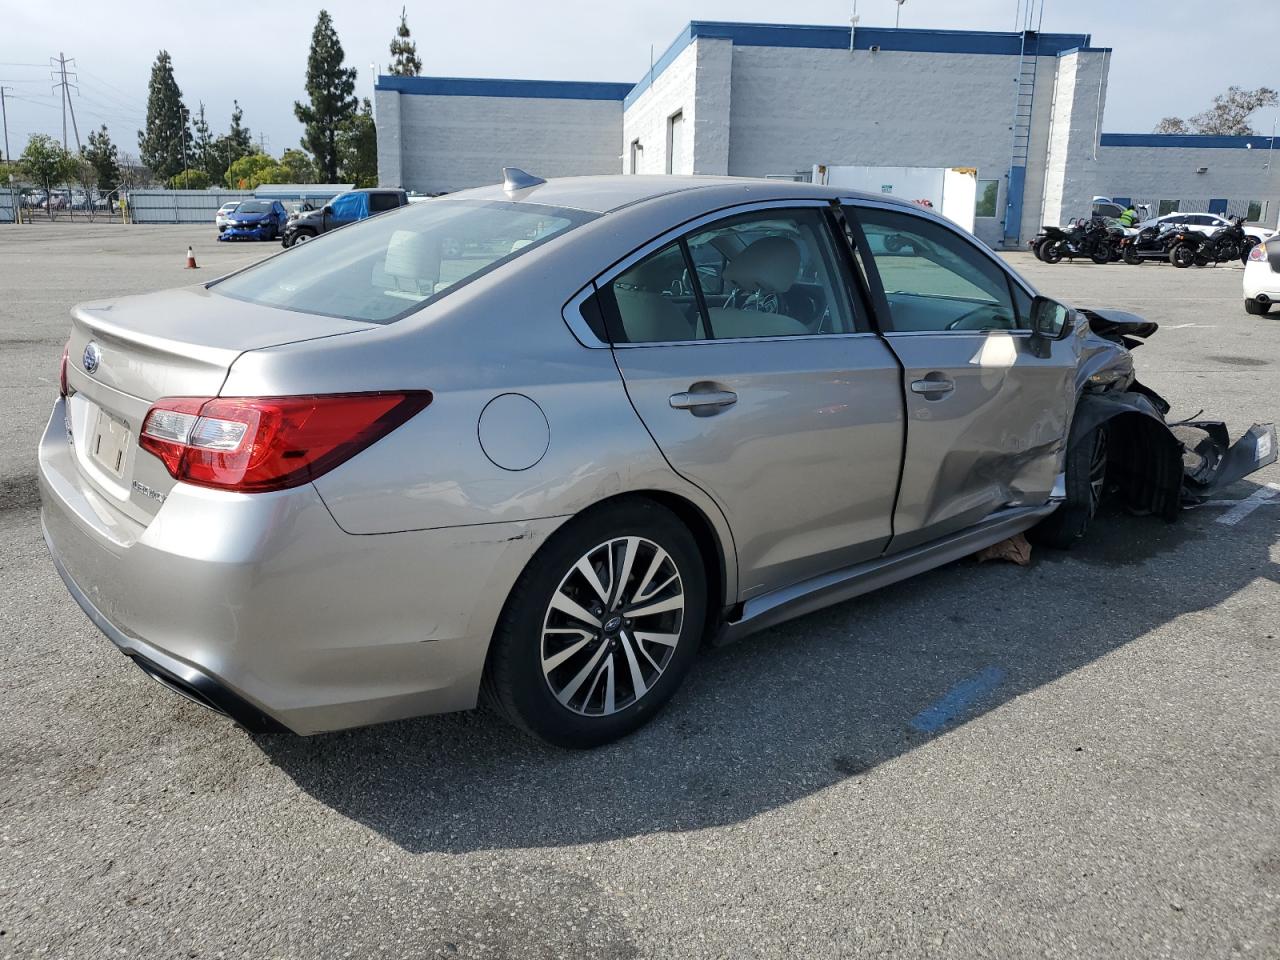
(223, 216)
(1205, 223)
(1262, 277)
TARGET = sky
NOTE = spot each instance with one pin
(258, 56)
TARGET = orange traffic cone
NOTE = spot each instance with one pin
(191, 260)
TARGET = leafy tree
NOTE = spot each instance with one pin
(193, 179)
(251, 170)
(1229, 115)
(296, 167)
(330, 88)
(358, 147)
(102, 155)
(45, 162)
(165, 143)
(404, 52)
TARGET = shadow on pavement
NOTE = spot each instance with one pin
(793, 710)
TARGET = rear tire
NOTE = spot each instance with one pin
(1101, 255)
(543, 657)
(1051, 252)
(1086, 468)
(1254, 307)
(1131, 256)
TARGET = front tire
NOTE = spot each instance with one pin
(1086, 469)
(1051, 252)
(1182, 256)
(1101, 255)
(1255, 307)
(601, 627)
(1131, 256)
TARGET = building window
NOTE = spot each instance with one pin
(1167, 206)
(675, 141)
(988, 192)
(1254, 213)
(637, 153)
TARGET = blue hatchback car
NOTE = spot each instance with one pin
(255, 220)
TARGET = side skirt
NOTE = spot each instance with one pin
(770, 609)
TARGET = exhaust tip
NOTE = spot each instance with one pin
(1262, 298)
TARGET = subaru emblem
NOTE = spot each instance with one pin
(92, 357)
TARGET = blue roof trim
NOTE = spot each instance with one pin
(837, 38)
(479, 87)
(1187, 141)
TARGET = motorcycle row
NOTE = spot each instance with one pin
(1105, 240)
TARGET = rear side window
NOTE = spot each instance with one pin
(765, 274)
(378, 202)
(385, 268)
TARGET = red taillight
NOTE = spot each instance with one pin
(62, 370)
(1259, 252)
(253, 445)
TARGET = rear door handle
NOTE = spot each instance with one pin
(933, 387)
(708, 400)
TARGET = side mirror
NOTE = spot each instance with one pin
(1049, 319)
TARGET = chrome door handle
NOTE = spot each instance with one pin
(703, 399)
(932, 389)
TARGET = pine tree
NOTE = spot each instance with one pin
(105, 160)
(331, 88)
(202, 145)
(166, 141)
(404, 52)
(358, 148)
(239, 136)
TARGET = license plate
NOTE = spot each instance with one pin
(110, 443)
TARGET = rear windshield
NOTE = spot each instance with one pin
(385, 268)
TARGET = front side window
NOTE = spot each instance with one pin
(387, 267)
(935, 280)
(349, 206)
(767, 274)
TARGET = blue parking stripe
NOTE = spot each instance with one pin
(957, 700)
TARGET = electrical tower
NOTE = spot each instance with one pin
(60, 77)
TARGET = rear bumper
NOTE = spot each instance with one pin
(1261, 281)
(260, 606)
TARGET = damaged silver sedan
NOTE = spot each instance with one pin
(539, 441)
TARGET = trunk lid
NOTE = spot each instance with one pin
(125, 354)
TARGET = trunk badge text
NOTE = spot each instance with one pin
(146, 491)
(92, 357)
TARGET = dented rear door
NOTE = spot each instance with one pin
(987, 419)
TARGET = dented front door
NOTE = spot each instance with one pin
(987, 410)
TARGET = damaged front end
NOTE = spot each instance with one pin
(1155, 466)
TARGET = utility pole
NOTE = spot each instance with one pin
(65, 85)
(263, 140)
(4, 118)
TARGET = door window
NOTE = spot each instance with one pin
(349, 206)
(766, 274)
(378, 202)
(935, 280)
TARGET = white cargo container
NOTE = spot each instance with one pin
(951, 191)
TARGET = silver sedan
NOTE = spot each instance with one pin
(538, 442)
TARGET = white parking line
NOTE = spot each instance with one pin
(1242, 508)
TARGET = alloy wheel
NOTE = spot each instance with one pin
(612, 625)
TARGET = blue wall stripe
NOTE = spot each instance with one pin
(956, 701)
(478, 87)
(1188, 141)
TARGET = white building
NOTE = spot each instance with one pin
(741, 99)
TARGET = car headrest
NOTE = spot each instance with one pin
(769, 265)
(412, 256)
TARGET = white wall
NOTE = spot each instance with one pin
(792, 108)
(1151, 174)
(448, 143)
(646, 119)
(1070, 169)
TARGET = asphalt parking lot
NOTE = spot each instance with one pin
(1074, 759)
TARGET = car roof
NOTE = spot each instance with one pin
(603, 194)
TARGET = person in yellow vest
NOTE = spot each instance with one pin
(1129, 217)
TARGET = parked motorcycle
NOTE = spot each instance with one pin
(1149, 243)
(1226, 243)
(1184, 248)
(1095, 239)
